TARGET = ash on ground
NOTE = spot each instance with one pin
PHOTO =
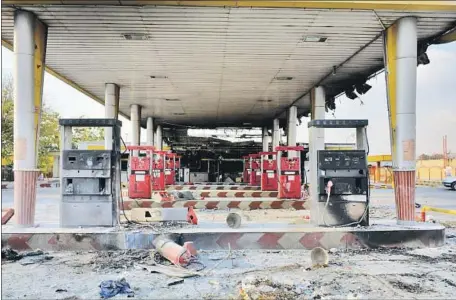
(157, 227)
(113, 260)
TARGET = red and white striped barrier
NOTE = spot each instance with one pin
(235, 194)
(213, 187)
(222, 204)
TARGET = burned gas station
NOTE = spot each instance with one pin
(172, 65)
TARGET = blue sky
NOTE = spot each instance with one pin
(436, 105)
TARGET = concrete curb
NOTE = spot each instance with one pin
(307, 238)
(40, 184)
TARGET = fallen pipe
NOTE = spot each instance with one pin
(173, 252)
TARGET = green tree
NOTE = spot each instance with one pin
(49, 129)
(87, 134)
(7, 118)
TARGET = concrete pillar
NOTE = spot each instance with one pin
(265, 139)
(150, 131)
(159, 139)
(292, 128)
(401, 61)
(112, 92)
(30, 38)
(316, 142)
(135, 118)
(275, 134)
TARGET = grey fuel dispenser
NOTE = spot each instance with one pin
(90, 179)
(339, 187)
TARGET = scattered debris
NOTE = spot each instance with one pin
(110, 288)
(257, 287)
(35, 259)
(119, 259)
(34, 253)
(10, 255)
(171, 271)
(174, 281)
(233, 220)
(175, 253)
(61, 290)
(319, 257)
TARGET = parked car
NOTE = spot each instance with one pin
(450, 182)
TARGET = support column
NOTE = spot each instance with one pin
(275, 134)
(159, 139)
(400, 45)
(150, 131)
(112, 92)
(292, 129)
(265, 139)
(316, 142)
(135, 118)
(30, 38)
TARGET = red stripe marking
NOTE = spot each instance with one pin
(276, 204)
(255, 205)
(256, 194)
(298, 205)
(239, 194)
(270, 240)
(220, 188)
(190, 203)
(205, 194)
(233, 204)
(212, 204)
(19, 241)
(206, 188)
(222, 194)
(311, 240)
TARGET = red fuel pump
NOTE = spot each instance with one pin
(170, 168)
(289, 171)
(246, 172)
(158, 170)
(255, 169)
(269, 180)
(140, 172)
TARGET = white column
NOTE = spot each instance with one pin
(317, 100)
(275, 134)
(292, 128)
(30, 37)
(150, 131)
(265, 139)
(404, 156)
(24, 88)
(316, 142)
(159, 139)
(135, 119)
(401, 61)
(112, 92)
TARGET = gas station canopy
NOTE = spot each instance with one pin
(221, 63)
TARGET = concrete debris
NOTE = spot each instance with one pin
(61, 290)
